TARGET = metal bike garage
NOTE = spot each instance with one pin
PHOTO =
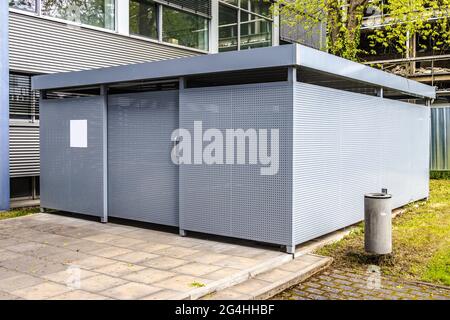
(345, 129)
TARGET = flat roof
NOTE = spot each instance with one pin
(293, 55)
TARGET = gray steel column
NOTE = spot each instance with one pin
(104, 93)
(181, 87)
(4, 107)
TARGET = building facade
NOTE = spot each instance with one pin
(47, 36)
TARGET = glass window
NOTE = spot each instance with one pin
(143, 18)
(255, 25)
(232, 2)
(256, 32)
(228, 28)
(261, 7)
(185, 29)
(28, 5)
(98, 13)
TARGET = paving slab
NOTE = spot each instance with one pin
(7, 296)
(119, 269)
(47, 252)
(17, 282)
(183, 283)
(149, 276)
(79, 295)
(100, 283)
(267, 284)
(130, 291)
(137, 257)
(64, 276)
(41, 291)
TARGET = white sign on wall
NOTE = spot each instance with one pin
(78, 133)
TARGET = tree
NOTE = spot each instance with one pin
(393, 21)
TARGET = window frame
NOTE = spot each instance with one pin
(239, 11)
(161, 26)
(158, 22)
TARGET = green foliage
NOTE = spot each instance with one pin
(196, 284)
(421, 241)
(393, 21)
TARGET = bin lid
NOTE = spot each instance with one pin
(378, 196)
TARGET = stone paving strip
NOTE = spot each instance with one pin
(267, 284)
(336, 284)
(52, 256)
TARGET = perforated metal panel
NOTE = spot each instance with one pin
(348, 144)
(72, 178)
(143, 181)
(236, 200)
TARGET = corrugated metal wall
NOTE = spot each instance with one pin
(23, 150)
(348, 144)
(440, 138)
(42, 46)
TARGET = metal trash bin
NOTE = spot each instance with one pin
(378, 223)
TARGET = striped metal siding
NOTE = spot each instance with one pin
(39, 45)
(440, 138)
(23, 150)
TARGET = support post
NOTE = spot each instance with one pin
(214, 27)
(181, 86)
(276, 28)
(4, 107)
(380, 92)
(290, 249)
(292, 75)
(104, 93)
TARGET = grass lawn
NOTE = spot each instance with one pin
(17, 213)
(421, 241)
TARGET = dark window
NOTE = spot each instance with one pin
(256, 32)
(228, 28)
(244, 24)
(23, 102)
(143, 18)
(21, 187)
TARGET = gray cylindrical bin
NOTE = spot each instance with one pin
(378, 223)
